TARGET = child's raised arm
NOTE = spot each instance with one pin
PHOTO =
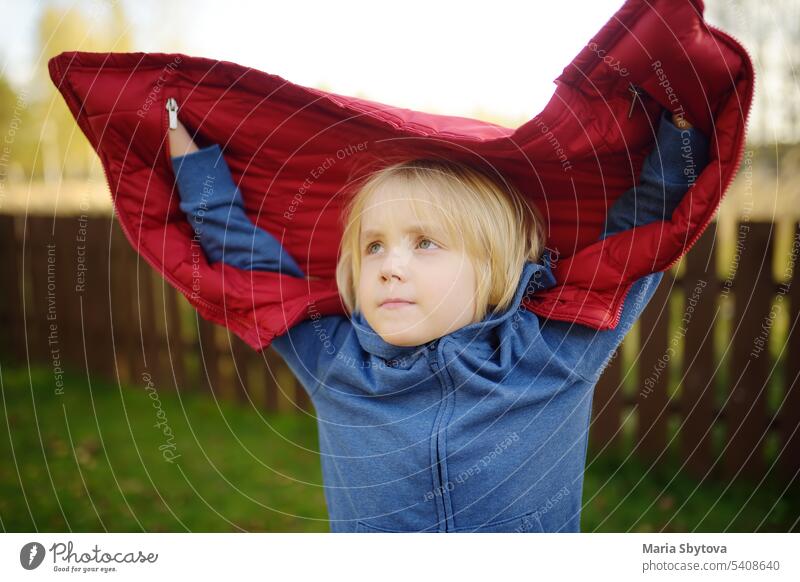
(668, 171)
(214, 207)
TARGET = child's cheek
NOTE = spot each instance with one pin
(365, 288)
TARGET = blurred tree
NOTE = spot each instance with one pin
(771, 33)
(19, 130)
(790, 65)
(13, 119)
(8, 98)
(58, 148)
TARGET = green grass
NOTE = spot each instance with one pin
(629, 494)
(89, 460)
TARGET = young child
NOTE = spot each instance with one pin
(443, 404)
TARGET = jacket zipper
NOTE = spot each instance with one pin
(171, 107)
(171, 110)
(76, 110)
(727, 180)
(437, 443)
(174, 282)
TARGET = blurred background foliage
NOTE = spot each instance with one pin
(49, 152)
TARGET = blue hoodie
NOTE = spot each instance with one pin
(484, 429)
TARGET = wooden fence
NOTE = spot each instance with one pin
(87, 303)
(707, 381)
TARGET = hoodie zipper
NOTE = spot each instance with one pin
(437, 428)
(748, 63)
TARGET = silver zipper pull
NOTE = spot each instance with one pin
(172, 108)
(635, 94)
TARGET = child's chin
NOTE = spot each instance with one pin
(401, 335)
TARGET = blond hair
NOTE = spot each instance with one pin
(492, 223)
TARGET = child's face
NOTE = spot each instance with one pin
(404, 258)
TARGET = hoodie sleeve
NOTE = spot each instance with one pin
(214, 207)
(668, 171)
(310, 346)
(670, 168)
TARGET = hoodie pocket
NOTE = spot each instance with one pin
(525, 523)
(363, 527)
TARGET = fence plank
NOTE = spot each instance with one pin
(41, 307)
(745, 409)
(69, 289)
(699, 364)
(158, 329)
(301, 398)
(241, 354)
(605, 433)
(96, 301)
(10, 294)
(173, 336)
(209, 356)
(789, 412)
(148, 343)
(653, 399)
(122, 314)
(274, 364)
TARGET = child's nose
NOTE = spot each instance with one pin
(395, 264)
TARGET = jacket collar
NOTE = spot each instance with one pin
(535, 276)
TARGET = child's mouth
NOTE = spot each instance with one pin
(396, 304)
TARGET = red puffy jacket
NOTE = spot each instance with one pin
(293, 150)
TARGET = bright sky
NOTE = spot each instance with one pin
(457, 58)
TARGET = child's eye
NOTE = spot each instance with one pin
(369, 248)
(424, 240)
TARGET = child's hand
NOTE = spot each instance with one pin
(180, 142)
(680, 122)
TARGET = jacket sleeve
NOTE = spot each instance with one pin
(669, 169)
(214, 207)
